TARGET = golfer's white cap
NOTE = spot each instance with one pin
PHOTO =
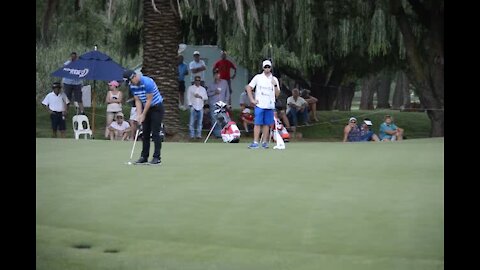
(196, 52)
(367, 122)
(266, 63)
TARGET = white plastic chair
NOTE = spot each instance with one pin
(78, 128)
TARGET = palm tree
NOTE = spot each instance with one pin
(160, 45)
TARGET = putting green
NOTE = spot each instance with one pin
(222, 206)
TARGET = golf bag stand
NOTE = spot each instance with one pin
(230, 132)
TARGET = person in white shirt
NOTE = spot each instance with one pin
(196, 97)
(197, 68)
(297, 107)
(119, 129)
(56, 104)
(267, 89)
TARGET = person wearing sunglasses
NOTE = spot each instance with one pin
(266, 90)
(352, 132)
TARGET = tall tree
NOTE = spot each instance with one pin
(160, 46)
(425, 54)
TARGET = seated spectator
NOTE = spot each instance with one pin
(352, 132)
(114, 103)
(366, 133)
(246, 108)
(281, 106)
(119, 129)
(247, 119)
(207, 121)
(297, 107)
(389, 131)
(312, 103)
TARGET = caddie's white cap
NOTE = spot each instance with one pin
(266, 63)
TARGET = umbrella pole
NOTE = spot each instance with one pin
(93, 111)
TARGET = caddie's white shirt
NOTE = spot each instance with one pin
(197, 103)
(193, 65)
(122, 127)
(299, 102)
(54, 102)
(265, 92)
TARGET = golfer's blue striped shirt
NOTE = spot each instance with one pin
(147, 86)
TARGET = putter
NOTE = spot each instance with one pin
(133, 148)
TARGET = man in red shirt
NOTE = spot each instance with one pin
(223, 66)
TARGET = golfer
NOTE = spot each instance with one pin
(267, 89)
(149, 104)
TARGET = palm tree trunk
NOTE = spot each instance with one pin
(160, 46)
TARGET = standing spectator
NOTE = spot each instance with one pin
(56, 104)
(389, 131)
(119, 129)
(267, 89)
(73, 87)
(352, 132)
(133, 116)
(224, 66)
(149, 104)
(197, 68)
(297, 108)
(114, 100)
(196, 97)
(182, 71)
(217, 91)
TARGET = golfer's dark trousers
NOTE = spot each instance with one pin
(151, 125)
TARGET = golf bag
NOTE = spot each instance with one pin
(230, 132)
(282, 131)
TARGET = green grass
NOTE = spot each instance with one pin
(316, 205)
(329, 128)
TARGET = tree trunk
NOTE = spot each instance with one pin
(344, 97)
(401, 95)
(426, 64)
(161, 39)
(318, 90)
(368, 89)
(50, 9)
(383, 90)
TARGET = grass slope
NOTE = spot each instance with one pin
(329, 128)
(223, 206)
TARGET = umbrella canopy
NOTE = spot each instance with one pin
(93, 65)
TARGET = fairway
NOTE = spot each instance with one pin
(315, 205)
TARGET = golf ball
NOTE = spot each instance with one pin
(129, 163)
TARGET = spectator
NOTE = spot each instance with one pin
(297, 108)
(73, 87)
(312, 104)
(114, 100)
(224, 66)
(133, 116)
(182, 71)
(366, 134)
(281, 106)
(56, 104)
(119, 129)
(389, 131)
(196, 97)
(246, 109)
(351, 132)
(217, 91)
(267, 89)
(197, 68)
